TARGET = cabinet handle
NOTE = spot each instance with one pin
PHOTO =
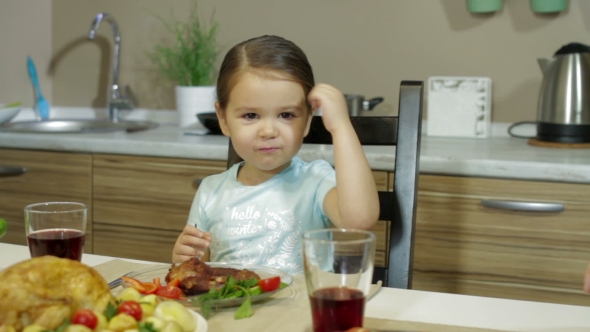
(12, 170)
(197, 182)
(522, 206)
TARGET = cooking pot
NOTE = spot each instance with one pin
(209, 120)
(357, 104)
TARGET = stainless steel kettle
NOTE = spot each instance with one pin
(563, 113)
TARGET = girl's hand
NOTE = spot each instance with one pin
(190, 243)
(333, 104)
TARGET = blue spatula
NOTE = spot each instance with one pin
(42, 105)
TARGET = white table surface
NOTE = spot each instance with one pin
(428, 307)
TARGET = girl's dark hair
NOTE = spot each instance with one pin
(265, 53)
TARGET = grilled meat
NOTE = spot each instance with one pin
(197, 277)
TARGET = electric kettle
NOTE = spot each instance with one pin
(563, 113)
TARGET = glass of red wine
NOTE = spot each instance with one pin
(338, 272)
(56, 228)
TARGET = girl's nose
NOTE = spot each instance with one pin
(267, 130)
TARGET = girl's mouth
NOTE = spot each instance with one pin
(268, 150)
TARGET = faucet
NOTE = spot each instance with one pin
(115, 100)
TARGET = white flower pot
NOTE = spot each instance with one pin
(191, 100)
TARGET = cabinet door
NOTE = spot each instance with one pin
(144, 195)
(150, 244)
(463, 247)
(49, 177)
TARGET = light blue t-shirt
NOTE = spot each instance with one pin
(263, 224)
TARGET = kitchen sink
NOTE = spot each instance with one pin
(76, 126)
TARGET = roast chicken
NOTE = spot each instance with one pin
(46, 290)
(197, 277)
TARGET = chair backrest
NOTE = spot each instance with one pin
(397, 206)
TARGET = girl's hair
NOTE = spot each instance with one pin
(267, 54)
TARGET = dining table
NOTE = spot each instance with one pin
(388, 309)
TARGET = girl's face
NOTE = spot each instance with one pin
(267, 119)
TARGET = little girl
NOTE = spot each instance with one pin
(257, 211)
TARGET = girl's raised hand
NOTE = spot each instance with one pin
(333, 104)
(190, 243)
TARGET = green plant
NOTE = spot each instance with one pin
(190, 59)
(3, 227)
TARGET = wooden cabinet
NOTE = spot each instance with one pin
(141, 204)
(381, 229)
(49, 177)
(462, 247)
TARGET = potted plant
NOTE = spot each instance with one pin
(189, 60)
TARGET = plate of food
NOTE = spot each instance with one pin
(216, 285)
(81, 300)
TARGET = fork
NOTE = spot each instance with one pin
(117, 282)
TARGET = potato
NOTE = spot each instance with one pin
(77, 328)
(102, 321)
(122, 322)
(129, 294)
(156, 322)
(34, 328)
(174, 311)
(150, 299)
(172, 326)
(148, 304)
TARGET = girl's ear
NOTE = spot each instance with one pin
(222, 120)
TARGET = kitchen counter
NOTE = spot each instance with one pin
(498, 157)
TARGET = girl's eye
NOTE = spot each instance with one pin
(250, 116)
(286, 115)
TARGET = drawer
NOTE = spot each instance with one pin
(504, 189)
(146, 191)
(147, 244)
(463, 247)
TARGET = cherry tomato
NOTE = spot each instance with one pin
(270, 284)
(132, 308)
(171, 292)
(85, 317)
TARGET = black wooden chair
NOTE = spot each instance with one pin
(397, 206)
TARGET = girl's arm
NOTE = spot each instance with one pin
(354, 203)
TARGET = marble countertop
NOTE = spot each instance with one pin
(499, 156)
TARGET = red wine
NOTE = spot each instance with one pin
(337, 309)
(61, 242)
